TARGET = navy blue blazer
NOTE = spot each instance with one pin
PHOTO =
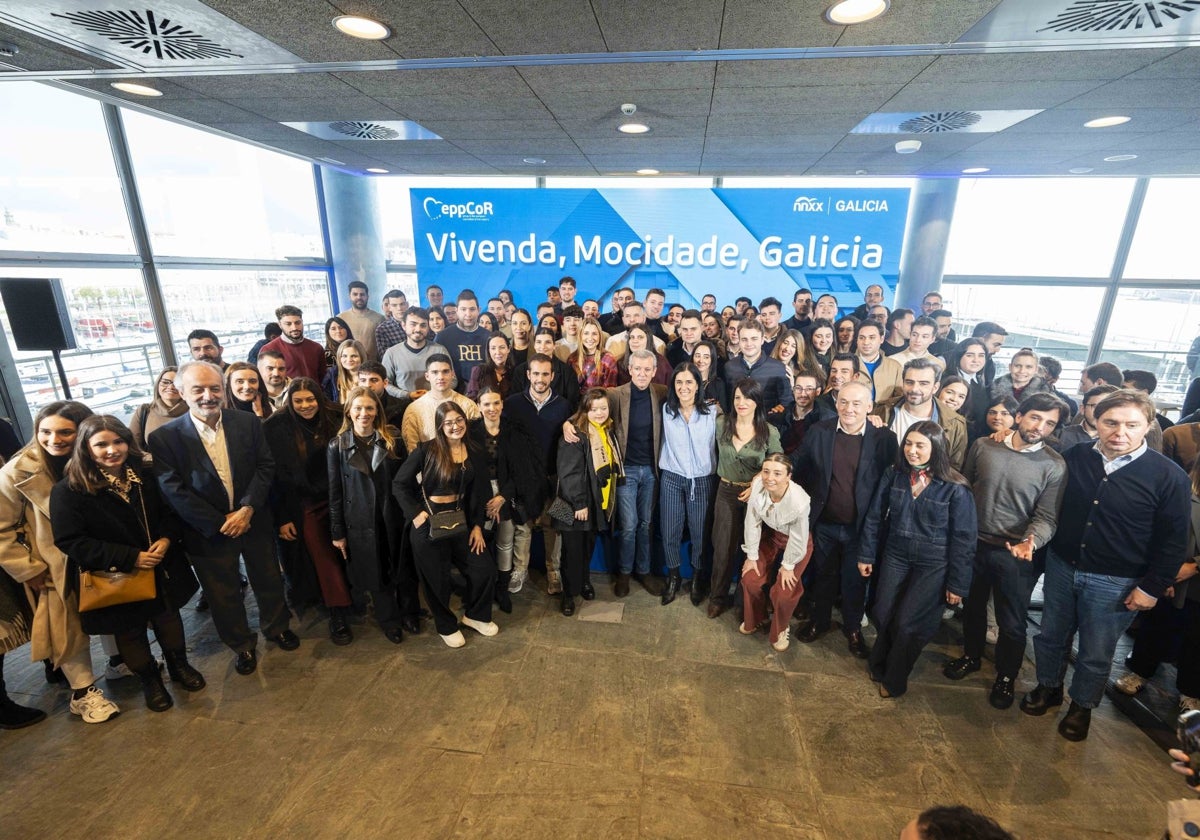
(813, 466)
(190, 483)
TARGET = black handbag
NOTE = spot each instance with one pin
(560, 512)
(446, 524)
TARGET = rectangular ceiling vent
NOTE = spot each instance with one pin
(365, 130)
(1168, 22)
(162, 33)
(941, 122)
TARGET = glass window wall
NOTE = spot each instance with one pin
(208, 196)
(58, 184)
(1049, 227)
(1163, 248)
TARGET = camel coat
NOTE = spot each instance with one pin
(25, 493)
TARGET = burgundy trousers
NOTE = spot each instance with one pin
(754, 585)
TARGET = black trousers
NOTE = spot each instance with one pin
(1010, 582)
(134, 645)
(835, 557)
(1167, 630)
(220, 578)
(577, 547)
(434, 561)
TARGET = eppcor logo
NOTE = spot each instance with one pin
(805, 204)
(469, 210)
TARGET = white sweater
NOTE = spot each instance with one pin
(787, 516)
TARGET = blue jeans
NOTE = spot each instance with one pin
(635, 509)
(1091, 605)
(685, 502)
(909, 599)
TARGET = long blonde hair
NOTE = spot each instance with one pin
(381, 425)
(346, 381)
(579, 355)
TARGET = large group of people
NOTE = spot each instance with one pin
(874, 464)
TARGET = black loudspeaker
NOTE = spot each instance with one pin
(37, 312)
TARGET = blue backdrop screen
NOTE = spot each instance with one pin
(731, 242)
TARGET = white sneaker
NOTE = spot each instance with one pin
(518, 580)
(781, 644)
(483, 628)
(1188, 704)
(117, 672)
(1130, 684)
(745, 631)
(94, 707)
(455, 639)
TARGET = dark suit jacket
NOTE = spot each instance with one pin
(814, 466)
(190, 483)
(620, 410)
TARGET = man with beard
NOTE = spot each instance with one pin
(272, 370)
(802, 304)
(1018, 487)
(917, 402)
(362, 320)
(215, 470)
(303, 356)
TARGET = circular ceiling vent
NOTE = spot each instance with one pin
(363, 130)
(1119, 15)
(940, 121)
(149, 33)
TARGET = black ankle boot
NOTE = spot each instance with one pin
(339, 627)
(699, 588)
(182, 672)
(674, 581)
(503, 597)
(157, 698)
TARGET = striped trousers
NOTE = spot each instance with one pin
(685, 503)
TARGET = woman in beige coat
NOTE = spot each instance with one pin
(28, 554)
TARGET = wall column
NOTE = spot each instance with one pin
(356, 247)
(925, 238)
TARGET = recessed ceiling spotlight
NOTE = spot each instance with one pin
(849, 12)
(628, 124)
(361, 27)
(1080, 170)
(1106, 122)
(8, 49)
(647, 171)
(533, 161)
(908, 147)
(1119, 158)
(136, 89)
(976, 170)
(860, 172)
(375, 170)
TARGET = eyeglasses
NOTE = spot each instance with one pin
(453, 424)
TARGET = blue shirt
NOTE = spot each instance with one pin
(689, 449)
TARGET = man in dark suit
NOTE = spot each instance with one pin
(215, 470)
(839, 465)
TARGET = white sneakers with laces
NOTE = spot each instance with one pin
(93, 706)
(781, 644)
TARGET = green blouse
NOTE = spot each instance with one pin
(741, 467)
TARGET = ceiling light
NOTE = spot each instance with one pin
(907, 147)
(361, 27)
(1080, 170)
(533, 161)
(647, 172)
(630, 125)
(136, 89)
(849, 12)
(8, 49)
(375, 170)
(860, 172)
(1119, 158)
(1106, 122)
(976, 170)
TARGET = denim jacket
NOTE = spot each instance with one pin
(942, 520)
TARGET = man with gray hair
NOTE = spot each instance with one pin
(215, 470)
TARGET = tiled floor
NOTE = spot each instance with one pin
(667, 724)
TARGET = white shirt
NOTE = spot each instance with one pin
(1125, 460)
(1034, 448)
(213, 439)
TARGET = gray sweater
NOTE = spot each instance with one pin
(1017, 494)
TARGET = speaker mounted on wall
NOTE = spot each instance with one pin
(37, 312)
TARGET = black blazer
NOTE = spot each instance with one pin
(190, 483)
(103, 533)
(813, 466)
(362, 510)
